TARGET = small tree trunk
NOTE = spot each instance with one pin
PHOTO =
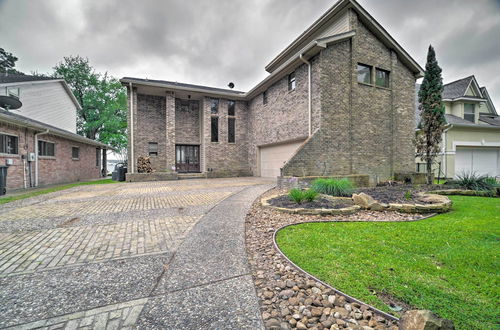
(429, 171)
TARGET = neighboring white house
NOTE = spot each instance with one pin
(48, 100)
(471, 142)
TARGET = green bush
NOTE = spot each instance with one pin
(333, 187)
(310, 195)
(408, 195)
(474, 181)
(296, 195)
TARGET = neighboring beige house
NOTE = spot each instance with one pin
(471, 143)
(338, 100)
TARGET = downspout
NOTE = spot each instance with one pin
(36, 155)
(309, 83)
(131, 162)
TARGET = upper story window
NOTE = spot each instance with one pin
(46, 148)
(264, 97)
(469, 112)
(291, 81)
(75, 153)
(214, 129)
(153, 148)
(364, 73)
(214, 106)
(231, 108)
(382, 78)
(9, 144)
(97, 156)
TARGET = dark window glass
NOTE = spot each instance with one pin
(264, 97)
(382, 78)
(215, 129)
(75, 153)
(8, 144)
(291, 81)
(231, 108)
(97, 156)
(153, 148)
(364, 74)
(469, 112)
(231, 130)
(214, 106)
(46, 148)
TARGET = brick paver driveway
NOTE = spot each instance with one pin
(93, 256)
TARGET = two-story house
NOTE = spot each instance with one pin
(471, 141)
(337, 101)
(38, 141)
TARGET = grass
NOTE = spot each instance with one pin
(333, 187)
(448, 263)
(34, 193)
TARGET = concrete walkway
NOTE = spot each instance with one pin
(161, 255)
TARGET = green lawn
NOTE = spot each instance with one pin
(448, 263)
(8, 199)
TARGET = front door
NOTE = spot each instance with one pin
(187, 158)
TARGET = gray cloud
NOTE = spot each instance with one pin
(216, 41)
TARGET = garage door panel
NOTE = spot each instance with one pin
(483, 161)
(273, 158)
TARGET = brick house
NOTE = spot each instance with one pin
(338, 100)
(44, 125)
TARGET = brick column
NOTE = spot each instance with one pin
(170, 131)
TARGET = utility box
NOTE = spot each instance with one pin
(31, 157)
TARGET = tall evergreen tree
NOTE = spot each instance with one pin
(432, 120)
(8, 62)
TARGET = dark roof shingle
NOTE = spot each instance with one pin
(456, 88)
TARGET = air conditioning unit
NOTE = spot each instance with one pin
(31, 157)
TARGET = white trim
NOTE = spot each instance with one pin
(473, 144)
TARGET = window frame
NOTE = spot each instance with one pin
(388, 76)
(46, 143)
(153, 153)
(370, 67)
(468, 114)
(16, 149)
(292, 81)
(73, 148)
(214, 135)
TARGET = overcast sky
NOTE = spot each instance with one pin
(213, 42)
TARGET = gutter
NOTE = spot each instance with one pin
(36, 154)
(309, 92)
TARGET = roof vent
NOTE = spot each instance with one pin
(230, 85)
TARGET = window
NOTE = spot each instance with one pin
(231, 108)
(264, 97)
(231, 130)
(46, 148)
(97, 156)
(75, 153)
(291, 81)
(364, 74)
(382, 78)
(153, 148)
(215, 129)
(8, 144)
(214, 106)
(469, 112)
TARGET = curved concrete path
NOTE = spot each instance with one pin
(150, 256)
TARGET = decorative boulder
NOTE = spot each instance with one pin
(363, 200)
(423, 320)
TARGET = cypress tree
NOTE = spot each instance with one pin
(432, 120)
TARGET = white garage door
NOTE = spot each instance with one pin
(274, 157)
(483, 161)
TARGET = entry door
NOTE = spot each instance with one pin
(187, 158)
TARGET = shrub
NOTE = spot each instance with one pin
(473, 181)
(310, 195)
(408, 195)
(333, 187)
(296, 195)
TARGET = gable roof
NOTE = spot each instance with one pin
(458, 88)
(6, 78)
(16, 119)
(309, 34)
(486, 95)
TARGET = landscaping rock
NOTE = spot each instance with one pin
(423, 320)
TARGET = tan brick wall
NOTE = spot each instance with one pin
(52, 170)
(187, 121)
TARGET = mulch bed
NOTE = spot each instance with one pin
(319, 203)
(288, 297)
(396, 193)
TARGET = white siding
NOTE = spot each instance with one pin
(339, 26)
(49, 103)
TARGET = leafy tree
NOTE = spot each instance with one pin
(433, 123)
(103, 116)
(8, 62)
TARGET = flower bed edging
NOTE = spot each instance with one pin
(299, 210)
(461, 192)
